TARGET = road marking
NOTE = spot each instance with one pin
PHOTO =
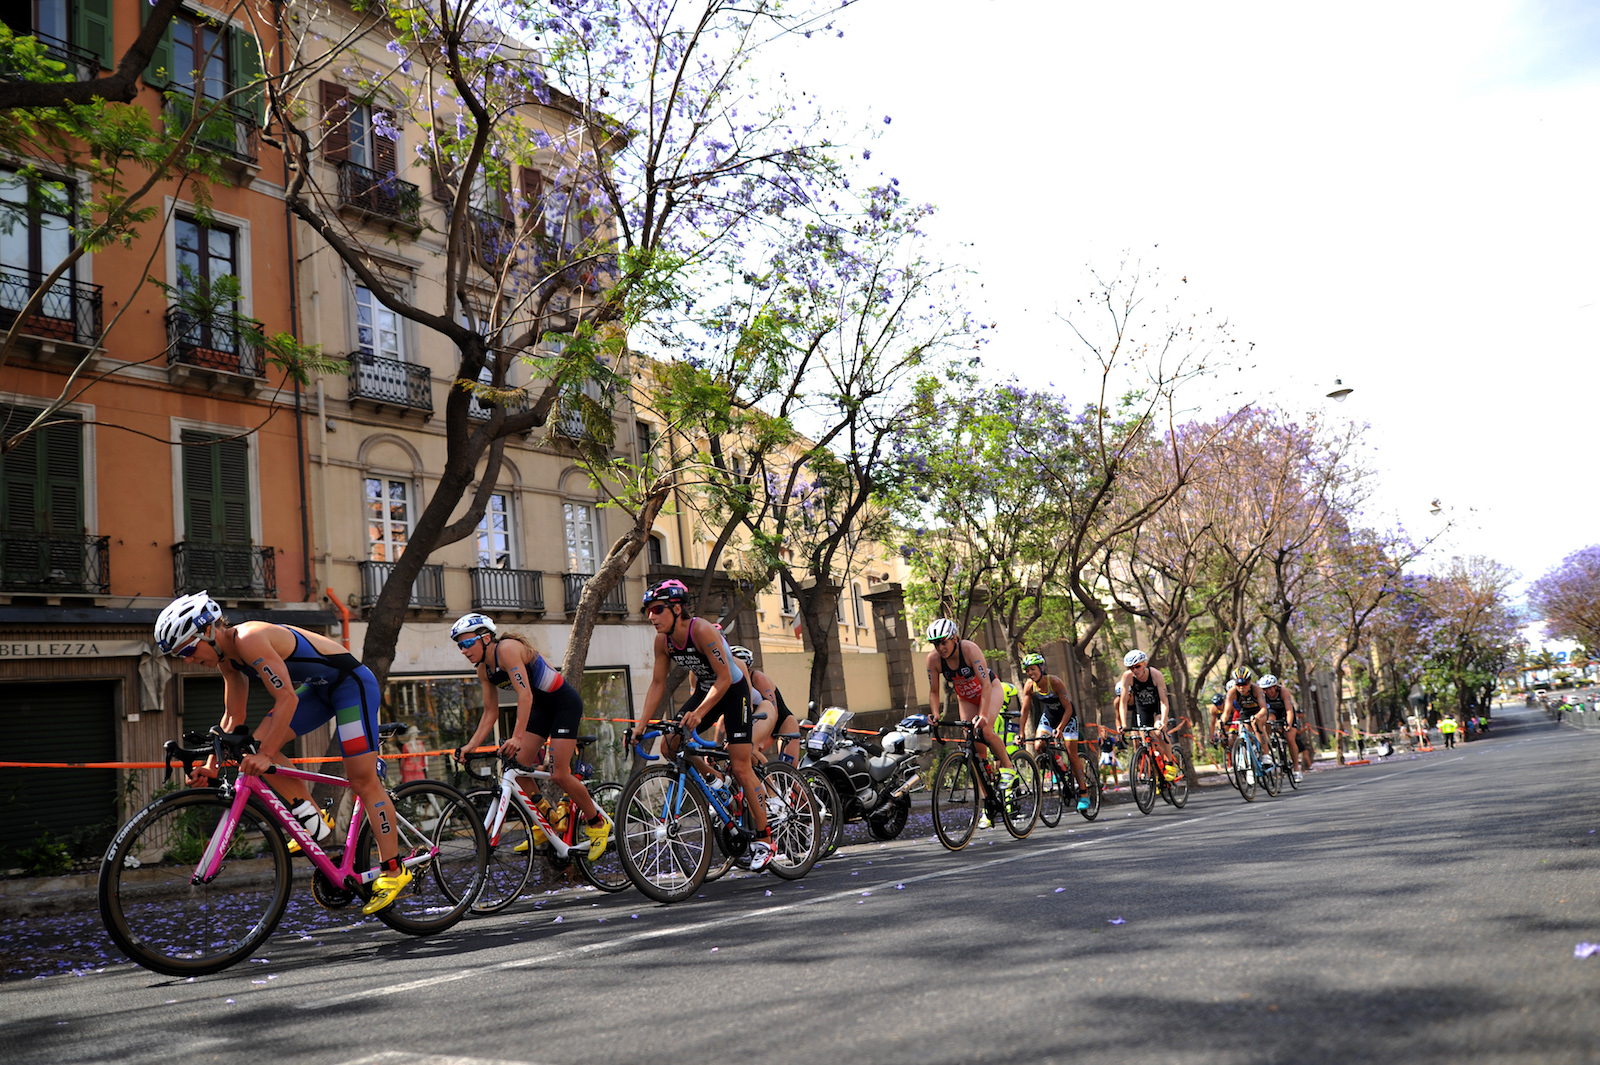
(853, 892)
(405, 1057)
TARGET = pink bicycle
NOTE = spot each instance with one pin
(198, 879)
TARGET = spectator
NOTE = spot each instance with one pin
(1447, 730)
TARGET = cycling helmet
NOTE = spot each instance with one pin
(183, 619)
(1216, 700)
(1242, 675)
(1133, 658)
(1118, 692)
(940, 629)
(1033, 660)
(1008, 690)
(472, 623)
(669, 591)
(1269, 681)
(743, 654)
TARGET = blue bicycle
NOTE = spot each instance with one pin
(1246, 767)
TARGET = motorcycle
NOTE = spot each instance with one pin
(870, 782)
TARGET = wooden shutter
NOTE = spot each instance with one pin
(158, 73)
(233, 490)
(199, 488)
(42, 490)
(216, 489)
(19, 475)
(92, 25)
(245, 61)
(335, 122)
(532, 182)
(385, 150)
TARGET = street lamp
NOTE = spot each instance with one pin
(1340, 390)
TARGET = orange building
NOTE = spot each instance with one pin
(183, 469)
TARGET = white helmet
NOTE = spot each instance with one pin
(743, 654)
(1269, 681)
(472, 623)
(1133, 658)
(183, 619)
(940, 629)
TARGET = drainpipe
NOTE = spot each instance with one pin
(294, 331)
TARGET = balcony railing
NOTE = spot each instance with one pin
(390, 382)
(381, 196)
(427, 591)
(220, 342)
(615, 602)
(234, 571)
(55, 564)
(476, 408)
(82, 65)
(507, 589)
(70, 310)
(224, 131)
(493, 237)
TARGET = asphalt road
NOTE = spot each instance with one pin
(1419, 910)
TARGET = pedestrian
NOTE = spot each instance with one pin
(1447, 730)
(1471, 728)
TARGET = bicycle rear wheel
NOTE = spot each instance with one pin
(431, 817)
(829, 807)
(169, 924)
(1282, 753)
(955, 801)
(1022, 804)
(605, 872)
(1244, 770)
(1091, 769)
(664, 834)
(506, 875)
(1055, 795)
(793, 819)
(1178, 787)
(1142, 779)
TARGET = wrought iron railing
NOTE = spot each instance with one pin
(477, 408)
(224, 130)
(615, 602)
(70, 310)
(427, 591)
(379, 195)
(220, 342)
(82, 65)
(507, 589)
(235, 571)
(390, 381)
(55, 564)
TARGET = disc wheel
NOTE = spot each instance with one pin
(1244, 773)
(664, 834)
(955, 801)
(1055, 796)
(511, 854)
(433, 818)
(1022, 804)
(1142, 779)
(829, 807)
(604, 872)
(168, 924)
(794, 821)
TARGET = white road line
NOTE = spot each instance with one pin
(768, 911)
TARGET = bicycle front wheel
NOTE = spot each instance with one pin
(442, 842)
(1091, 769)
(1244, 771)
(793, 819)
(161, 918)
(1178, 787)
(605, 872)
(829, 808)
(1142, 779)
(511, 854)
(1055, 796)
(663, 834)
(955, 801)
(1282, 754)
(1022, 804)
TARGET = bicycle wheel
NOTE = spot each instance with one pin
(792, 819)
(1271, 778)
(955, 801)
(1244, 770)
(1022, 804)
(506, 875)
(605, 872)
(431, 817)
(169, 924)
(1056, 794)
(1282, 754)
(1142, 779)
(663, 834)
(1091, 769)
(829, 807)
(1178, 787)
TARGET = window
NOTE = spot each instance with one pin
(199, 57)
(790, 607)
(41, 479)
(654, 554)
(35, 235)
(358, 133)
(859, 603)
(494, 533)
(581, 542)
(73, 30)
(646, 438)
(216, 489)
(377, 327)
(388, 518)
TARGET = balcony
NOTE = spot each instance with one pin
(383, 198)
(225, 132)
(55, 565)
(477, 409)
(427, 591)
(492, 238)
(614, 603)
(227, 571)
(507, 589)
(215, 352)
(81, 64)
(391, 383)
(67, 322)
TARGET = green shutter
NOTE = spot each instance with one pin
(92, 25)
(41, 480)
(233, 491)
(62, 469)
(158, 74)
(199, 488)
(216, 490)
(247, 76)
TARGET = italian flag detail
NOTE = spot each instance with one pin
(352, 737)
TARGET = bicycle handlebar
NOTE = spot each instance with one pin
(215, 741)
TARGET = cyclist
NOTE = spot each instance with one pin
(312, 680)
(1217, 712)
(763, 692)
(1142, 702)
(1280, 705)
(978, 691)
(1045, 698)
(721, 692)
(1247, 706)
(548, 710)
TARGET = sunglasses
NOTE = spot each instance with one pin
(654, 609)
(188, 650)
(469, 641)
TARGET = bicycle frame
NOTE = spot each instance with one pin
(683, 762)
(512, 792)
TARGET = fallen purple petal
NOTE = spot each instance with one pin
(1059, 890)
(1584, 950)
(1116, 920)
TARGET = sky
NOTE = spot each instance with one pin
(1402, 195)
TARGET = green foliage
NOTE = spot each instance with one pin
(45, 856)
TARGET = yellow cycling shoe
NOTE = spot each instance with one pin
(537, 839)
(599, 835)
(386, 889)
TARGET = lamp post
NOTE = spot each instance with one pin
(1339, 391)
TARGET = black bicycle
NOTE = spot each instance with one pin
(968, 781)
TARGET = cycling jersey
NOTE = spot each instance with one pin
(329, 686)
(967, 680)
(1144, 701)
(699, 663)
(1277, 706)
(1051, 708)
(557, 707)
(1242, 701)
